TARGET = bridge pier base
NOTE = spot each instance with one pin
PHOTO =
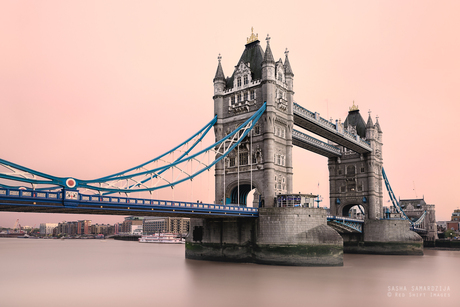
(280, 236)
(385, 237)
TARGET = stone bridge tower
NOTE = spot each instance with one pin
(263, 161)
(357, 179)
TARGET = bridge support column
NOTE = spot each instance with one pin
(280, 236)
(386, 237)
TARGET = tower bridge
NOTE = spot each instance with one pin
(254, 119)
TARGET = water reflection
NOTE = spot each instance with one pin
(116, 273)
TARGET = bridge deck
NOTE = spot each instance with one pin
(345, 224)
(72, 202)
(310, 143)
(314, 123)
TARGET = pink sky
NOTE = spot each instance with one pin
(88, 88)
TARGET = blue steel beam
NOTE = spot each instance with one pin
(352, 225)
(71, 201)
(135, 182)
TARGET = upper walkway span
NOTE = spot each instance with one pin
(314, 123)
(312, 144)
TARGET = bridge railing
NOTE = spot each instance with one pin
(72, 198)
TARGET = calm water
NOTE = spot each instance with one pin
(117, 273)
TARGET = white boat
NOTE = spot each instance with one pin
(168, 238)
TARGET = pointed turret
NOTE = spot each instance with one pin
(220, 72)
(377, 125)
(268, 57)
(287, 65)
(370, 123)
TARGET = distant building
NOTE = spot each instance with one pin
(84, 227)
(155, 225)
(117, 228)
(104, 229)
(166, 224)
(47, 228)
(453, 225)
(455, 215)
(68, 228)
(132, 224)
(178, 225)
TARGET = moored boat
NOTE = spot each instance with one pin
(168, 238)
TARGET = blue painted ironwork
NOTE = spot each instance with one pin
(420, 219)
(396, 204)
(354, 224)
(71, 201)
(136, 178)
(418, 230)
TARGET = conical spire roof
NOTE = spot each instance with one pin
(287, 65)
(253, 55)
(377, 125)
(219, 72)
(268, 57)
(370, 123)
(354, 119)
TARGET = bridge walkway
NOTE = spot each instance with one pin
(314, 123)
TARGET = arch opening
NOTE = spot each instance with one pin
(354, 211)
(246, 195)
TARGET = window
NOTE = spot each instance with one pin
(280, 131)
(362, 169)
(238, 82)
(238, 98)
(233, 99)
(246, 96)
(243, 158)
(350, 170)
(257, 129)
(232, 161)
(245, 79)
(254, 158)
(280, 160)
(253, 95)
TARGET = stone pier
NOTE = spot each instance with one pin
(280, 236)
(385, 237)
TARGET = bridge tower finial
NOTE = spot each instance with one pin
(353, 107)
(253, 37)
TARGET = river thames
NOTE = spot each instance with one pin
(120, 273)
